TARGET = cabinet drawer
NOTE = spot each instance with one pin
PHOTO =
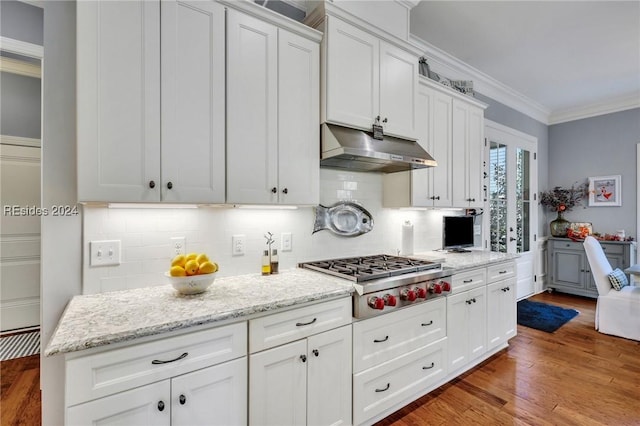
(380, 388)
(467, 280)
(500, 272)
(568, 244)
(383, 338)
(612, 248)
(284, 327)
(104, 373)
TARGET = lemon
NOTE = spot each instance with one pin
(191, 256)
(191, 267)
(177, 271)
(206, 268)
(215, 266)
(201, 258)
(179, 260)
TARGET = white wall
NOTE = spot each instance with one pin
(145, 233)
(61, 236)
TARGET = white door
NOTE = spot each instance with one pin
(298, 119)
(467, 141)
(193, 102)
(329, 378)
(398, 91)
(278, 385)
(144, 406)
(353, 75)
(512, 204)
(118, 101)
(212, 396)
(252, 110)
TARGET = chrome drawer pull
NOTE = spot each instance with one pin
(382, 390)
(300, 324)
(157, 361)
(429, 367)
(380, 341)
(426, 324)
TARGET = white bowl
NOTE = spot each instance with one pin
(193, 284)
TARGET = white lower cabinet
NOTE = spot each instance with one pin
(501, 304)
(211, 396)
(307, 381)
(197, 378)
(383, 387)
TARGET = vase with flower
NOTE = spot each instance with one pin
(561, 200)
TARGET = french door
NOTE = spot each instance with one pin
(511, 199)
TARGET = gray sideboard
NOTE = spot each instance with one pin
(569, 268)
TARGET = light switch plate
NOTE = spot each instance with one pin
(105, 252)
(286, 238)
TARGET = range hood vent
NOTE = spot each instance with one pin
(357, 150)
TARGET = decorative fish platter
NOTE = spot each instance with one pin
(345, 218)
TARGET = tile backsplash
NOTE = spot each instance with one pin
(145, 233)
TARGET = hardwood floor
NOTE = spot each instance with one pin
(20, 391)
(575, 376)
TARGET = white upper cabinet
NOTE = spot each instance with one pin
(118, 101)
(272, 114)
(193, 101)
(468, 140)
(125, 65)
(368, 79)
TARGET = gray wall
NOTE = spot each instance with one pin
(19, 105)
(598, 146)
(21, 21)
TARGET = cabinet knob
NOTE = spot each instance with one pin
(169, 185)
(285, 191)
(160, 406)
(385, 120)
(152, 184)
(274, 190)
(316, 352)
(437, 197)
(182, 399)
(303, 358)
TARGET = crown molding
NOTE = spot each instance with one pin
(452, 67)
(618, 104)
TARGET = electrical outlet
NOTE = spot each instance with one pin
(105, 253)
(178, 246)
(286, 241)
(237, 245)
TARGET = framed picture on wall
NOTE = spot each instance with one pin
(605, 191)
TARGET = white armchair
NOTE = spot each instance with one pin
(617, 312)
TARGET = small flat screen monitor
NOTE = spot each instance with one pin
(457, 233)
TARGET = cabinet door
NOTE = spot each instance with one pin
(278, 385)
(468, 131)
(457, 329)
(352, 75)
(252, 107)
(440, 147)
(398, 90)
(421, 179)
(212, 396)
(501, 312)
(193, 102)
(298, 119)
(477, 321)
(568, 268)
(118, 101)
(146, 405)
(329, 378)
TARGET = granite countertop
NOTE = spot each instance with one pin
(462, 261)
(91, 321)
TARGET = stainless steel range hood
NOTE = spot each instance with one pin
(357, 150)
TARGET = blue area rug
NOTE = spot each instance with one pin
(543, 317)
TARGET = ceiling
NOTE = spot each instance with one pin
(570, 57)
